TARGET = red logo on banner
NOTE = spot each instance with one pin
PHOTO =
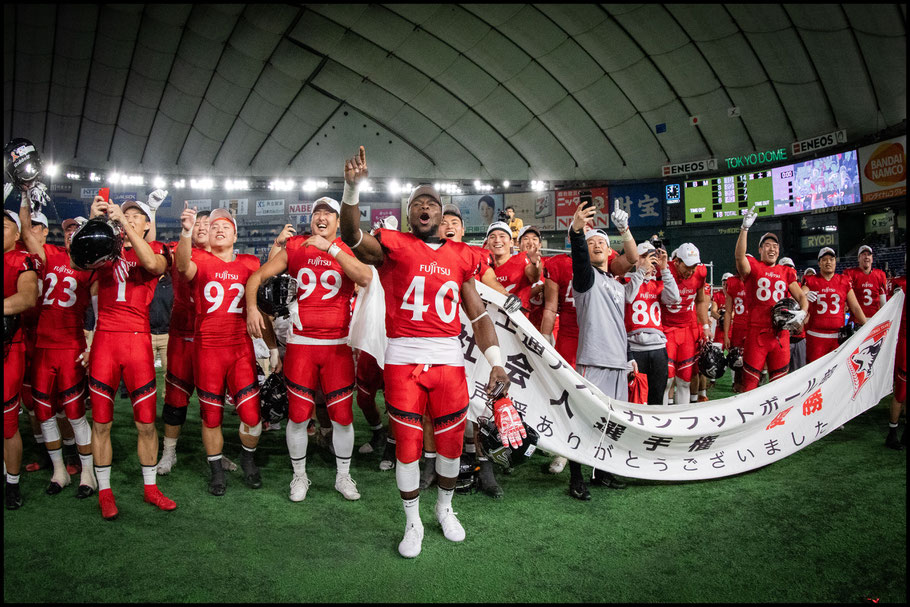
(779, 419)
(813, 404)
(863, 357)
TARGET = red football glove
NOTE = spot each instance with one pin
(511, 430)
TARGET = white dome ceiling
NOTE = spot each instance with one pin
(513, 91)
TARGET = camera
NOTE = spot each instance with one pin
(503, 217)
(657, 243)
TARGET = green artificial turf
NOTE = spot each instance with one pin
(827, 524)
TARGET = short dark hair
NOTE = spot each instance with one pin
(203, 214)
(510, 208)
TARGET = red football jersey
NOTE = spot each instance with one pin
(736, 289)
(644, 311)
(323, 290)
(218, 290)
(720, 299)
(483, 258)
(511, 275)
(683, 314)
(536, 302)
(765, 286)
(124, 305)
(827, 312)
(16, 262)
(422, 285)
(559, 270)
(28, 320)
(65, 296)
(183, 312)
(868, 287)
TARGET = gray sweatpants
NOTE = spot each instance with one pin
(612, 382)
(797, 354)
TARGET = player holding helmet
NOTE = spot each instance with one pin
(766, 284)
(425, 279)
(318, 356)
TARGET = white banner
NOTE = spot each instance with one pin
(200, 204)
(240, 206)
(270, 207)
(676, 442)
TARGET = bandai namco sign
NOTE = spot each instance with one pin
(884, 169)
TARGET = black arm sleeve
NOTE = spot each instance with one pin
(582, 271)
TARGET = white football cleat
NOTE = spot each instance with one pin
(451, 527)
(299, 487)
(409, 547)
(347, 487)
(558, 464)
(167, 461)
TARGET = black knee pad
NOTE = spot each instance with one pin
(174, 416)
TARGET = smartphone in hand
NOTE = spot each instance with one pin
(587, 200)
(105, 193)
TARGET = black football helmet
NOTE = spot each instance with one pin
(507, 457)
(735, 357)
(711, 361)
(845, 333)
(95, 243)
(21, 161)
(276, 294)
(10, 326)
(273, 398)
(783, 313)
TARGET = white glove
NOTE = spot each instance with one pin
(390, 222)
(156, 198)
(273, 358)
(749, 218)
(513, 304)
(38, 195)
(798, 317)
(620, 219)
(812, 296)
(7, 190)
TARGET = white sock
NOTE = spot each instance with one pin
(170, 444)
(299, 466)
(12, 479)
(148, 475)
(297, 439)
(470, 448)
(57, 460)
(693, 399)
(88, 476)
(87, 461)
(376, 427)
(667, 393)
(103, 474)
(444, 498)
(683, 392)
(343, 441)
(213, 458)
(412, 511)
(703, 393)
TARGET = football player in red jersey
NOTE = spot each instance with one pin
(58, 373)
(719, 309)
(766, 284)
(529, 243)
(223, 355)
(425, 279)
(899, 400)
(681, 322)
(797, 340)
(736, 324)
(20, 292)
(122, 348)
(318, 356)
(516, 273)
(179, 381)
(829, 294)
(869, 284)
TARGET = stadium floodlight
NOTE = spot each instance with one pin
(505, 183)
(202, 184)
(93, 176)
(366, 186)
(395, 187)
(113, 178)
(158, 182)
(73, 175)
(51, 170)
(281, 185)
(538, 186)
(179, 184)
(132, 179)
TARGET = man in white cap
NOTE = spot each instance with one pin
(57, 370)
(223, 352)
(869, 284)
(797, 340)
(829, 294)
(766, 284)
(425, 279)
(516, 273)
(685, 323)
(20, 293)
(319, 357)
(122, 348)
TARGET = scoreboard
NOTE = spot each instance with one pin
(727, 198)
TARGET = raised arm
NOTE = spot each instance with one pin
(151, 262)
(739, 253)
(32, 244)
(624, 263)
(183, 256)
(366, 247)
(582, 271)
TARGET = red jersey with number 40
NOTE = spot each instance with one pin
(323, 290)
(683, 313)
(868, 288)
(422, 285)
(827, 312)
(559, 270)
(123, 305)
(65, 296)
(736, 290)
(765, 286)
(218, 290)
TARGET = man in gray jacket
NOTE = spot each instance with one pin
(600, 301)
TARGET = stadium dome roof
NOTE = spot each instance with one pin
(510, 91)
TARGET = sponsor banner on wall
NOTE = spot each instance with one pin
(478, 211)
(534, 208)
(688, 442)
(200, 204)
(883, 169)
(378, 215)
(821, 142)
(121, 197)
(240, 206)
(270, 207)
(644, 203)
(689, 168)
(88, 193)
(568, 200)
